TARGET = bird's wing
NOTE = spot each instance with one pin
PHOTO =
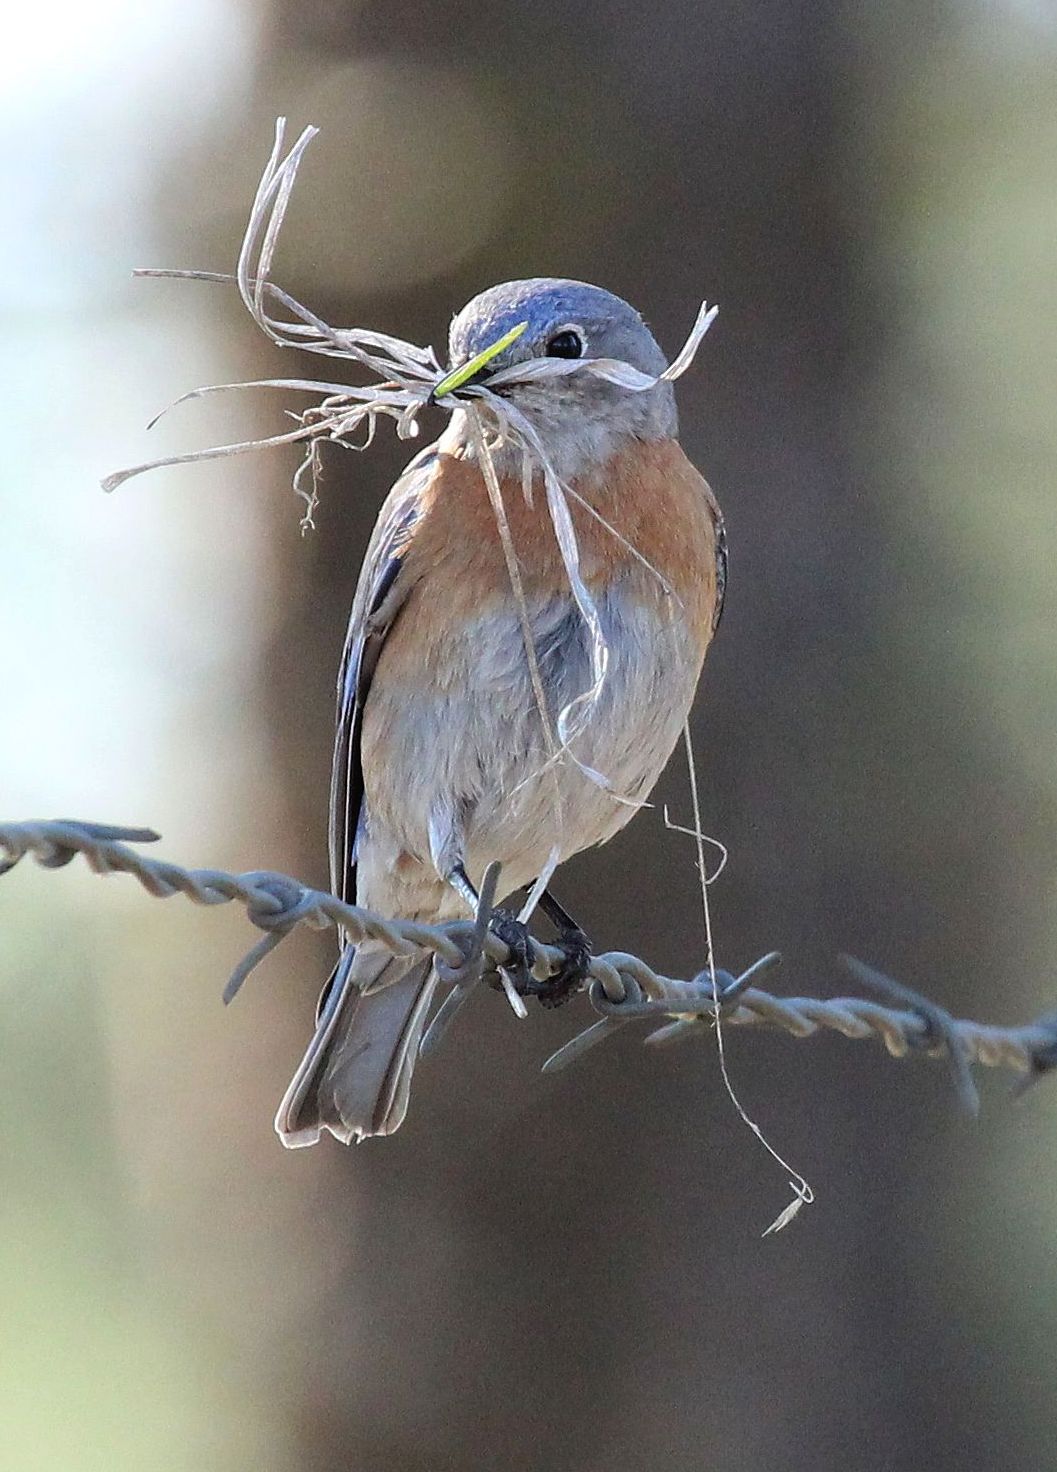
(722, 559)
(380, 593)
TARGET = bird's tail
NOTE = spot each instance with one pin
(355, 1077)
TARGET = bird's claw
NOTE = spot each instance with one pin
(571, 976)
(514, 934)
(551, 991)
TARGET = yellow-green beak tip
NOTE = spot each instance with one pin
(459, 377)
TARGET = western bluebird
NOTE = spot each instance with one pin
(441, 759)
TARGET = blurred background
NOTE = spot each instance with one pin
(559, 1273)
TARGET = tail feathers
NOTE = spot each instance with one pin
(355, 1077)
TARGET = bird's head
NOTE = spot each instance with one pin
(581, 418)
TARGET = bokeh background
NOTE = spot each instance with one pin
(537, 1273)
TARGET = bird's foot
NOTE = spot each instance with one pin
(553, 990)
(514, 934)
(571, 976)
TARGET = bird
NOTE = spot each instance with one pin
(442, 760)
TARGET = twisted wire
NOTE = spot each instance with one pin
(621, 987)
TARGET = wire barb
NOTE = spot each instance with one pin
(622, 987)
(940, 1035)
(466, 977)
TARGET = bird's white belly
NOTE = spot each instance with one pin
(468, 771)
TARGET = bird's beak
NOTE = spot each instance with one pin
(474, 370)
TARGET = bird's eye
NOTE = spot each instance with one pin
(565, 344)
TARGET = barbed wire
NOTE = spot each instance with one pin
(621, 987)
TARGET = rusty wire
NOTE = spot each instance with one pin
(621, 988)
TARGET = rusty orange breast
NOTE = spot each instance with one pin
(657, 505)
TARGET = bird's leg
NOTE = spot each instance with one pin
(576, 949)
(510, 930)
(460, 883)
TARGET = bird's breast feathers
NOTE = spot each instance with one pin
(659, 509)
(451, 727)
